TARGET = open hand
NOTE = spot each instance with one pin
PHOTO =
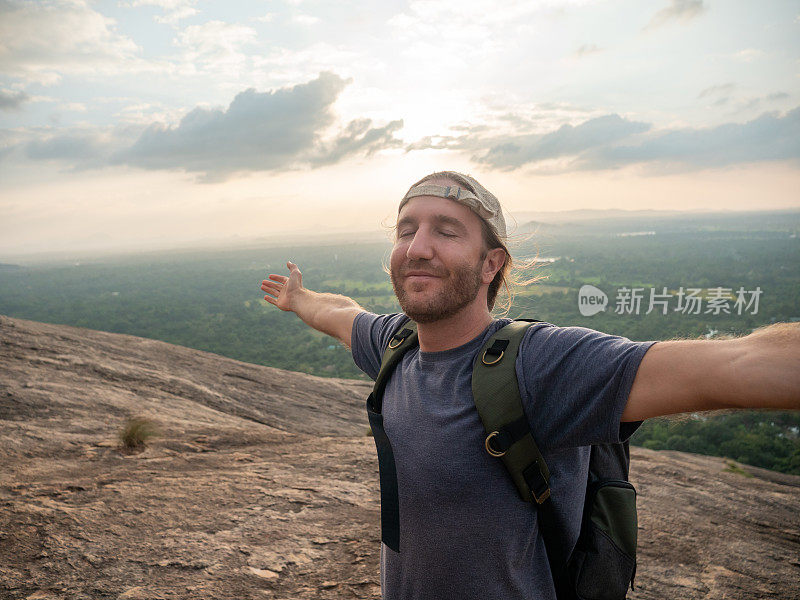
(282, 291)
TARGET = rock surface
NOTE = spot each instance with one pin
(263, 484)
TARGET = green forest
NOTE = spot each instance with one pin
(210, 299)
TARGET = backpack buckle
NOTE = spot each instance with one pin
(540, 499)
(492, 362)
(497, 350)
(399, 338)
(538, 485)
(488, 444)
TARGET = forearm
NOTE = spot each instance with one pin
(331, 314)
(761, 370)
(765, 368)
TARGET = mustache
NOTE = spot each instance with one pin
(421, 265)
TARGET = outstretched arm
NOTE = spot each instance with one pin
(761, 370)
(329, 313)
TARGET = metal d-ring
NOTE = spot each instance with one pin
(495, 361)
(392, 345)
(488, 444)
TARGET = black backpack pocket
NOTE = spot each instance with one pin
(603, 563)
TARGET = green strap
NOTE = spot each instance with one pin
(497, 398)
(399, 344)
(508, 437)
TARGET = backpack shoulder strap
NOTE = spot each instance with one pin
(401, 342)
(508, 437)
(497, 398)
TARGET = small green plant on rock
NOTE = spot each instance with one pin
(735, 468)
(135, 432)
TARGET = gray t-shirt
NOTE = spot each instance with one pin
(464, 531)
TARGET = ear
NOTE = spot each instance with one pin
(494, 261)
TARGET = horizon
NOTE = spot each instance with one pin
(380, 234)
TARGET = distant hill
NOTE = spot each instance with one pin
(263, 484)
(577, 215)
(610, 221)
(574, 216)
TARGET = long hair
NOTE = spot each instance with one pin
(510, 275)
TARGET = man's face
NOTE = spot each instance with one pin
(437, 265)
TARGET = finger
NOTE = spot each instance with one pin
(270, 299)
(280, 278)
(292, 267)
(272, 287)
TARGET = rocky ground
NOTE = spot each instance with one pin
(263, 484)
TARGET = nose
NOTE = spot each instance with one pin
(421, 246)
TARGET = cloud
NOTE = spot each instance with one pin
(358, 136)
(722, 95)
(41, 41)
(287, 128)
(10, 100)
(10, 142)
(215, 45)
(305, 20)
(146, 113)
(766, 138)
(82, 148)
(281, 129)
(587, 49)
(769, 137)
(678, 10)
(565, 141)
(77, 148)
(431, 12)
(76, 107)
(283, 65)
(722, 89)
(513, 151)
(777, 96)
(612, 141)
(749, 55)
(174, 10)
(751, 104)
(454, 35)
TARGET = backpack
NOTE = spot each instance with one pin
(603, 563)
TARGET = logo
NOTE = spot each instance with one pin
(591, 300)
(687, 301)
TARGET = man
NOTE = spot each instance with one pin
(464, 532)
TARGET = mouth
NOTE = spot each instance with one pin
(419, 274)
(419, 277)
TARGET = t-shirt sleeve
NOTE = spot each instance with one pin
(575, 383)
(370, 337)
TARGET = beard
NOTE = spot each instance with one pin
(458, 288)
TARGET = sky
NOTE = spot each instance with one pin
(136, 124)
